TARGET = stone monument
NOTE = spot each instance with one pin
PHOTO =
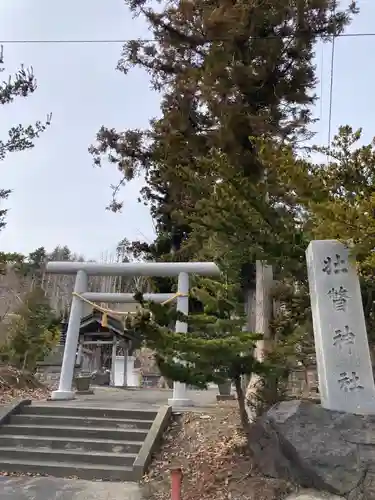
(346, 381)
(328, 447)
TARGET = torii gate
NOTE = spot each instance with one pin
(84, 269)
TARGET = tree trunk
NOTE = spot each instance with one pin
(263, 316)
(241, 404)
(25, 361)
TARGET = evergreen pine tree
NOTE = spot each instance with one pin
(227, 71)
(342, 205)
(233, 75)
(33, 331)
(215, 349)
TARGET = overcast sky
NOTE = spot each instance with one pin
(58, 197)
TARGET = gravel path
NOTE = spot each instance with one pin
(50, 488)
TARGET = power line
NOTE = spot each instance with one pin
(145, 40)
(321, 83)
(331, 91)
(332, 74)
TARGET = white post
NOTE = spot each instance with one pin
(179, 389)
(64, 391)
(250, 312)
(79, 353)
(113, 366)
(263, 316)
(125, 380)
(263, 312)
(133, 378)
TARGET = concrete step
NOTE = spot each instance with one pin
(60, 443)
(78, 421)
(70, 456)
(75, 432)
(77, 470)
(90, 412)
(76, 441)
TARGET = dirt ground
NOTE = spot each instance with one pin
(210, 449)
(15, 385)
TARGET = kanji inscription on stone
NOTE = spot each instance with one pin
(346, 381)
(334, 265)
(343, 337)
(339, 297)
(349, 382)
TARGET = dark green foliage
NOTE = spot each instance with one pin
(4, 194)
(157, 251)
(33, 331)
(228, 72)
(222, 180)
(34, 263)
(12, 258)
(215, 349)
(342, 205)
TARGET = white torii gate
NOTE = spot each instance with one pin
(85, 269)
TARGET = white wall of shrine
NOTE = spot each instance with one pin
(133, 374)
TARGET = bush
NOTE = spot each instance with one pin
(32, 333)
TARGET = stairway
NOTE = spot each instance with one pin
(68, 441)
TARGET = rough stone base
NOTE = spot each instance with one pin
(316, 448)
(85, 393)
(312, 495)
(225, 397)
(49, 376)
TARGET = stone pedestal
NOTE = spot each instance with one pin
(62, 395)
(225, 392)
(317, 448)
(313, 495)
(225, 397)
(179, 398)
